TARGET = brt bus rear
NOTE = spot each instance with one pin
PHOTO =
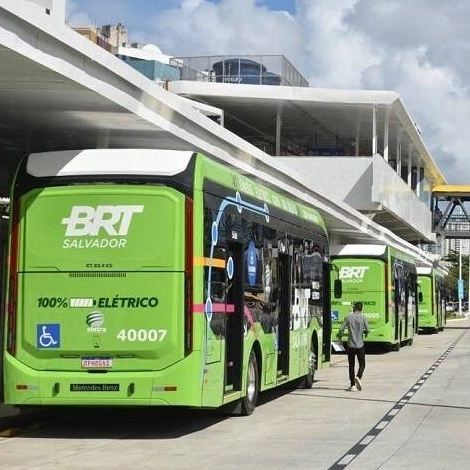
(432, 299)
(111, 300)
(384, 280)
(94, 302)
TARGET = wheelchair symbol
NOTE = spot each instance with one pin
(48, 336)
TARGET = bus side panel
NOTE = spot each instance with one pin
(244, 239)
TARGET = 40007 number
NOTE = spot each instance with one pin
(141, 335)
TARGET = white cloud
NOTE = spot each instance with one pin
(201, 27)
(336, 55)
(418, 49)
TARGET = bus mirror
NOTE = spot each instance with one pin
(338, 288)
(420, 297)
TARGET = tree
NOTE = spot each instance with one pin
(452, 262)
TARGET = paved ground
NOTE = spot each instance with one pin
(414, 412)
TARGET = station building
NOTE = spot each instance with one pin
(357, 149)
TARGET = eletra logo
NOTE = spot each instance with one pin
(86, 220)
(95, 321)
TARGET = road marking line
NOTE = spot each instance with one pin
(356, 449)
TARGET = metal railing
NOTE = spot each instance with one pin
(243, 69)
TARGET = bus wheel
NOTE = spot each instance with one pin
(248, 402)
(397, 346)
(307, 381)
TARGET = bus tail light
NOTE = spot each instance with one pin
(188, 278)
(13, 281)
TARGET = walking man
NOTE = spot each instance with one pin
(357, 326)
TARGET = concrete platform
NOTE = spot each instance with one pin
(414, 409)
(413, 413)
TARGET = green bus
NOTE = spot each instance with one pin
(385, 280)
(432, 298)
(159, 277)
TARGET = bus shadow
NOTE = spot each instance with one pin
(132, 423)
(336, 389)
(119, 423)
(372, 349)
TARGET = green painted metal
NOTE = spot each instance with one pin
(387, 287)
(102, 272)
(431, 308)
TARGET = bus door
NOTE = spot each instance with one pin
(283, 327)
(235, 319)
(326, 314)
(408, 309)
(396, 317)
(397, 300)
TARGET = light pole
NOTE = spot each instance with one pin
(460, 284)
(468, 289)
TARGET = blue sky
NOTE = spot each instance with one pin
(417, 48)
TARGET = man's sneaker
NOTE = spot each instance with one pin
(351, 388)
(358, 383)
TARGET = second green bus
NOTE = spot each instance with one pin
(384, 279)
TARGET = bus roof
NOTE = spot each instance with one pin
(358, 250)
(108, 162)
(423, 270)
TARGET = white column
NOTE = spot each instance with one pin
(278, 132)
(418, 178)
(386, 126)
(409, 164)
(399, 147)
(374, 130)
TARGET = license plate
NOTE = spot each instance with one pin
(97, 362)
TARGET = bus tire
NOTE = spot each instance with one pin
(308, 380)
(248, 402)
(397, 345)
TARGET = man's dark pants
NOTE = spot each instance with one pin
(361, 358)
